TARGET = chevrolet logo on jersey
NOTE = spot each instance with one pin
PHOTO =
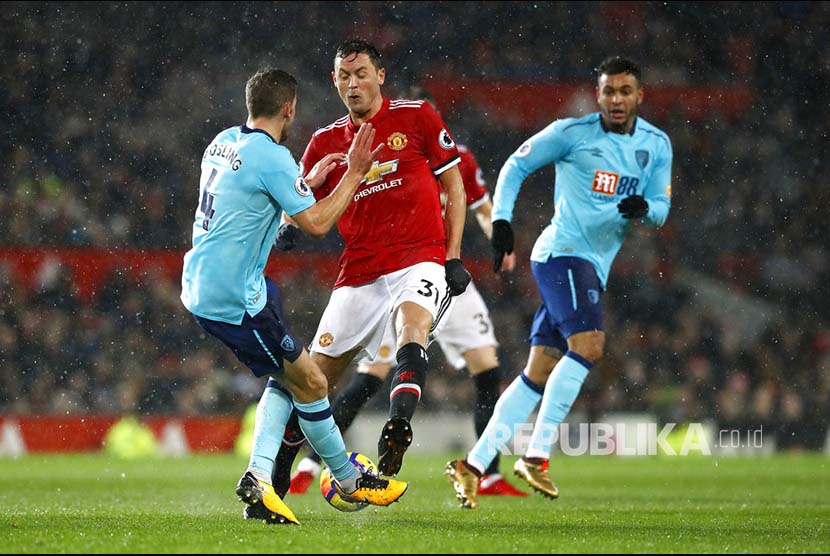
(378, 170)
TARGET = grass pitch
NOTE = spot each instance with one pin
(94, 504)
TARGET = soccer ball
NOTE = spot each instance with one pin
(364, 464)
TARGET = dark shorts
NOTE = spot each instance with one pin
(261, 342)
(571, 295)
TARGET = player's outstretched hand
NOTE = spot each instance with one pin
(633, 206)
(457, 276)
(502, 242)
(287, 237)
(317, 176)
(361, 156)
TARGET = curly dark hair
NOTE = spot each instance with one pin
(619, 64)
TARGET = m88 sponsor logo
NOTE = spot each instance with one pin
(610, 183)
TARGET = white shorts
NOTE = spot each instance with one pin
(358, 316)
(466, 326)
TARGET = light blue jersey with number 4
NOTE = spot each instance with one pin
(595, 170)
(247, 181)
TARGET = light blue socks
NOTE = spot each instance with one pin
(272, 414)
(561, 391)
(513, 408)
(324, 436)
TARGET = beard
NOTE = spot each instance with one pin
(618, 128)
(621, 127)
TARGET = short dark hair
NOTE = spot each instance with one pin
(416, 92)
(267, 90)
(359, 46)
(619, 64)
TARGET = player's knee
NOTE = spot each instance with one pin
(481, 359)
(592, 351)
(333, 367)
(315, 385)
(417, 333)
(590, 345)
(540, 363)
(537, 375)
(595, 354)
(413, 323)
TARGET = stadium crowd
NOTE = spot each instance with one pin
(105, 129)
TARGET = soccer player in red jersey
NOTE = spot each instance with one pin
(466, 337)
(401, 262)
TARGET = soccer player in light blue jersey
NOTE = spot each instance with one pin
(612, 168)
(248, 180)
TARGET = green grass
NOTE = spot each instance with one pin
(82, 503)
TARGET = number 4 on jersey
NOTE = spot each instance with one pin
(206, 204)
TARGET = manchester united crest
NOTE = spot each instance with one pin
(326, 339)
(397, 141)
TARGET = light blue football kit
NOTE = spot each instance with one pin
(571, 259)
(248, 180)
(595, 170)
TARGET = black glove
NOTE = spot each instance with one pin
(457, 276)
(502, 242)
(287, 237)
(634, 206)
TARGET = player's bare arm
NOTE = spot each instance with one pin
(318, 219)
(317, 176)
(457, 276)
(455, 212)
(289, 234)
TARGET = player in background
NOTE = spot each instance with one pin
(612, 168)
(466, 338)
(401, 262)
(248, 179)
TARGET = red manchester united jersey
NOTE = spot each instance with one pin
(474, 185)
(475, 188)
(394, 220)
